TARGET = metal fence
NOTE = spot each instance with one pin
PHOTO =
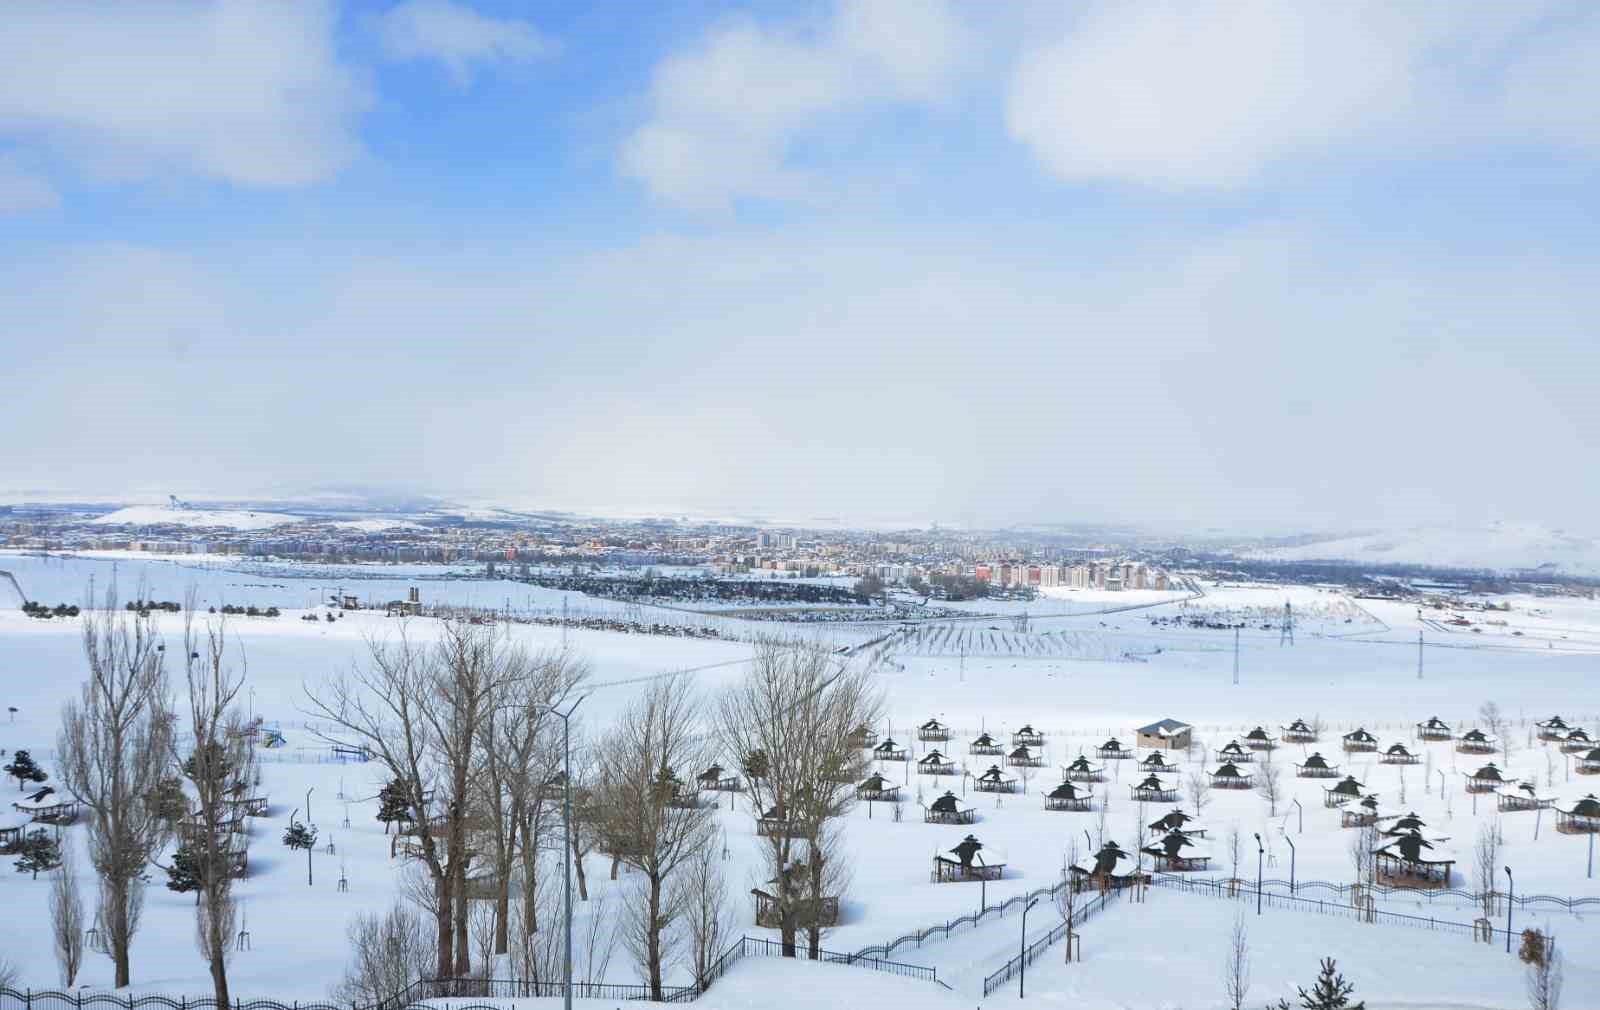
(944, 929)
(1439, 894)
(1031, 952)
(417, 993)
(1244, 891)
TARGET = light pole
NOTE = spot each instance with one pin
(309, 824)
(1511, 892)
(1260, 855)
(1291, 862)
(566, 836)
(1022, 949)
(1302, 817)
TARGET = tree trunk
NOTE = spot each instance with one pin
(502, 898)
(577, 865)
(814, 893)
(445, 964)
(653, 938)
(458, 869)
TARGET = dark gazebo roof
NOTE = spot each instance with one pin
(1589, 806)
(1026, 729)
(994, 774)
(1080, 764)
(933, 724)
(875, 783)
(1151, 782)
(887, 745)
(1554, 722)
(1173, 820)
(946, 804)
(1298, 726)
(1398, 749)
(933, 757)
(1155, 760)
(1475, 735)
(1316, 760)
(1489, 773)
(984, 740)
(1105, 861)
(1065, 791)
(1172, 845)
(1348, 786)
(1231, 747)
(1370, 802)
(1410, 822)
(1434, 722)
(1112, 744)
(1361, 736)
(1259, 733)
(1593, 755)
(1577, 734)
(712, 774)
(1228, 770)
(1409, 846)
(967, 851)
(1021, 753)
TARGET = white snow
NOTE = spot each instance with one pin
(1501, 545)
(160, 515)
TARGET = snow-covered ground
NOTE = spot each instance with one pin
(218, 519)
(1500, 545)
(1368, 678)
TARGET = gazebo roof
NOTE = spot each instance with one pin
(1410, 822)
(933, 757)
(714, 772)
(946, 804)
(994, 774)
(1397, 748)
(1316, 760)
(1593, 755)
(1589, 806)
(932, 724)
(1172, 820)
(1021, 752)
(1173, 844)
(1476, 735)
(888, 744)
(1065, 791)
(1554, 722)
(1080, 763)
(1489, 773)
(984, 740)
(1298, 726)
(1111, 744)
(1577, 733)
(1155, 760)
(1228, 770)
(1026, 728)
(1409, 848)
(1259, 733)
(969, 851)
(1231, 747)
(1347, 786)
(1433, 722)
(1151, 782)
(1361, 734)
(875, 782)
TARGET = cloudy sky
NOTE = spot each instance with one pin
(1204, 263)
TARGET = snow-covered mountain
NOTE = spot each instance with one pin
(1502, 546)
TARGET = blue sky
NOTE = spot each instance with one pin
(1204, 263)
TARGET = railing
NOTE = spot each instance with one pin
(1419, 893)
(1031, 952)
(1244, 891)
(415, 995)
(944, 929)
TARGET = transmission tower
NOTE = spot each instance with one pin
(1286, 633)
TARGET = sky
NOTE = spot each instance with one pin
(1207, 263)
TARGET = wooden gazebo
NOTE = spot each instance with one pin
(1362, 814)
(1409, 860)
(888, 750)
(1027, 736)
(948, 810)
(1576, 741)
(1260, 739)
(48, 806)
(1024, 757)
(1553, 728)
(933, 731)
(717, 779)
(1433, 728)
(1068, 796)
(1476, 741)
(1101, 870)
(1589, 764)
(1236, 752)
(967, 861)
(1112, 750)
(1081, 770)
(775, 823)
(1522, 796)
(1582, 818)
(935, 763)
(677, 792)
(1406, 823)
(1316, 767)
(1342, 792)
(1399, 754)
(864, 737)
(1229, 776)
(985, 744)
(804, 911)
(1486, 779)
(1177, 853)
(994, 781)
(1153, 790)
(1176, 820)
(11, 834)
(1298, 731)
(1156, 763)
(877, 788)
(1358, 741)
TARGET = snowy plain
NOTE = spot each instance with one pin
(1366, 676)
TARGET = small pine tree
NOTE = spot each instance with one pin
(39, 852)
(170, 802)
(393, 805)
(1331, 992)
(24, 770)
(184, 875)
(300, 836)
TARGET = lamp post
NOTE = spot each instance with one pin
(1291, 862)
(1511, 892)
(1261, 853)
(1022, 949)
(1301, 811)
(309, 824)
(566, 837)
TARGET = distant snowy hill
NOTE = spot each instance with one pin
(211, 519)
(1501, 546)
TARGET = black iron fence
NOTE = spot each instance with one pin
(942, 930)
(1031, 952)
(1441, 895)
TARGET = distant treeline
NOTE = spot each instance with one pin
(658, 587)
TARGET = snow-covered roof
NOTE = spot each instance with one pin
(1165, 727)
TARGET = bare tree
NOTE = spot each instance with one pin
(1486, 864)
(387, 953)
(1199, 789)
(706, 912)
(599, 940)
(1235, 846)
(645, 824)
(1236, 969)
(1066, 893)
(800, 710)
(113, 750)
(1489, 714)
(9, 977)
(1545, 978)
(1269, 783)
(219, 769)
(66, 916)
(421, 712)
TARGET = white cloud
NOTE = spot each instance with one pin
(21, 190)
(458, 37)
(243, 92)
(1215, 94)
(724, 114)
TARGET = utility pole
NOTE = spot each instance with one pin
(566, 826)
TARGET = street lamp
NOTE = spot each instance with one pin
(311, 824)
(1022, 949)
(1260, 855)
(1302, 817)
(1511, 892)
(1291, 861)
(566, 834)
